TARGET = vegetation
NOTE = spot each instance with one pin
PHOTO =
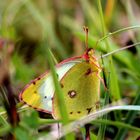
(36, 35)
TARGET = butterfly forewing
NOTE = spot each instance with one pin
(81, 86)
(38, 94)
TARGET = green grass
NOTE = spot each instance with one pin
(47, 32)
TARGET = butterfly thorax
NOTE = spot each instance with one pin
(90, 58)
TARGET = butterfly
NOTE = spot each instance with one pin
(79, 78)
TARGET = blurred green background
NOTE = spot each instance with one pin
(25, 24)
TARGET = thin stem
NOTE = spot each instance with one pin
(129, 119)
(116, 32)
(101, 17)
(118, 50)
(81, 122)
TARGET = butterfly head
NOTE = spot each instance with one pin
(88, 54)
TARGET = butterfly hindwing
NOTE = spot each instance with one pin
(81, 90)
(38, 94)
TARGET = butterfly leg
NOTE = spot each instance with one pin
(102, 80)
(93, 62)
(97, 73)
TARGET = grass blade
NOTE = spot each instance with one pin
(129, 118)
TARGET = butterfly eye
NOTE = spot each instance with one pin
(91, 52)
(72, 93)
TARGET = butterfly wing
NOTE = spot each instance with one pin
(81, 86)
(38, 94)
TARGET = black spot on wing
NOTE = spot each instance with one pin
(61, 85)
(34, 82)
(89, 110)
(89, 71)
(72, 93)
(71, 112)
(78, 112)
(38, 78)
(35, 108)
(21, 99)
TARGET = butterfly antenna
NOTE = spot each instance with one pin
(86, 37)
